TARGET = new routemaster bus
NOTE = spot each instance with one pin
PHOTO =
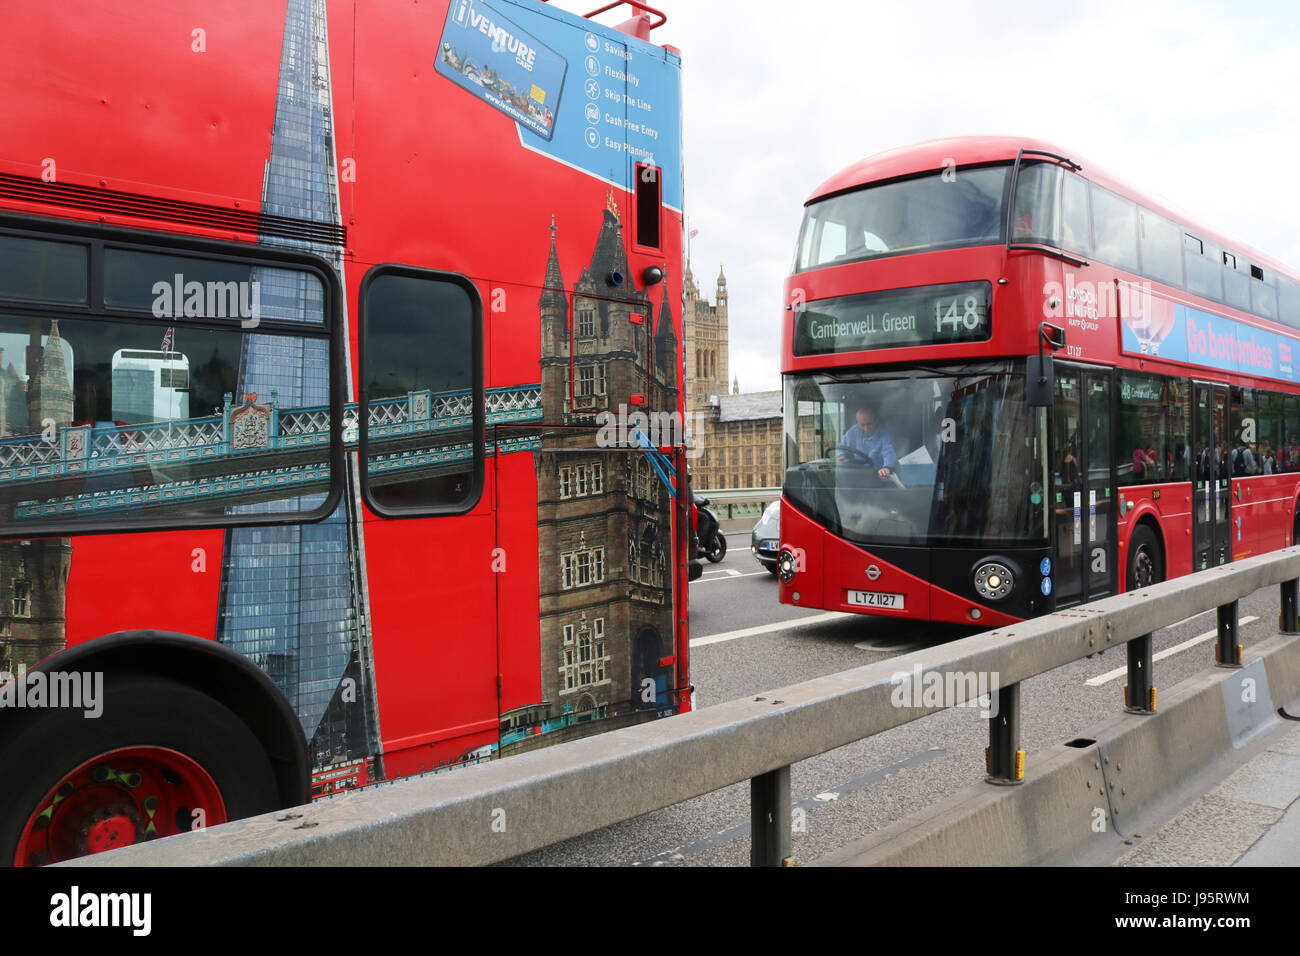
(936, 468)
(314, 314)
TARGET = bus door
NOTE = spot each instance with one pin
(1082, 479)
(1211, 500)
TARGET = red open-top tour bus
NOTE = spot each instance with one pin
(311, 312)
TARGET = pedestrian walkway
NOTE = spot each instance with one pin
(1251, 819)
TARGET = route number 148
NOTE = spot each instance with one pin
(960, 313)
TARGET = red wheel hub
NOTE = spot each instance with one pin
(122, 797)
(108, 828)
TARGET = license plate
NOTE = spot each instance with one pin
(769, 545)
(877, 599)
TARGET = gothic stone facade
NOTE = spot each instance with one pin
(603, 515)
(34, 574)
(707, 342)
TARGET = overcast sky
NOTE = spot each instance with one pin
(1193, 102)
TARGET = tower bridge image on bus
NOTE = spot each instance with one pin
(249, 452)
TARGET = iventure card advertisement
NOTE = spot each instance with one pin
(622, 105)
(500, 62)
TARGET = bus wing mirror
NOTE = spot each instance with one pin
(1040, 381)
(1040, 377)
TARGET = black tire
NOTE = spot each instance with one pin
(1146, 559)
(773, 570)
(40, 747)
(717, 548)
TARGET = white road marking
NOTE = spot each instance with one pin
(766, 628)
(1167, 652)
(728, 575)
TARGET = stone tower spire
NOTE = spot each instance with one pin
(553, 304)
(666, 345)
(49, 390)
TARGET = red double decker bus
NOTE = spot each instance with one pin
(315, 317)
(937, 468)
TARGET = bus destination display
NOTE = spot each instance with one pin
(924, 315)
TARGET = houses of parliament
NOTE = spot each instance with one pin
(739, 440)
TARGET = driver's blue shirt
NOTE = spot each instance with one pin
(878, 447)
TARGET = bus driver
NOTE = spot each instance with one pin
(872, 441)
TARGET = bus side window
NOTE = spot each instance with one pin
(1204, 275)
(1288, 458)
(422, 388)
(1243, 425)
(1236, 283)
(1161, 251)
(647, 205)
(1288, 300)
(1114, 222)
(1076, 232)
(42, 269)
(1145, 455)
(1268, 429)
(1263, 293)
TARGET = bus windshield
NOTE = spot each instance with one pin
(940, 210)
(918, 456)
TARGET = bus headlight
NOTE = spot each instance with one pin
(785, 565)
(993, 581)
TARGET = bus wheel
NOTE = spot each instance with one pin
(1146, 563)
(159, 759)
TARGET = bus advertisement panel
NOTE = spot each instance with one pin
(312, 319)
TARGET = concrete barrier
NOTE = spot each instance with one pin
(1076, 797)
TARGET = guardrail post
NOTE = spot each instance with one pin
(769, 819)
(1140, 691)
(1004, 760)
(1227, 652)
(1287, 622)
